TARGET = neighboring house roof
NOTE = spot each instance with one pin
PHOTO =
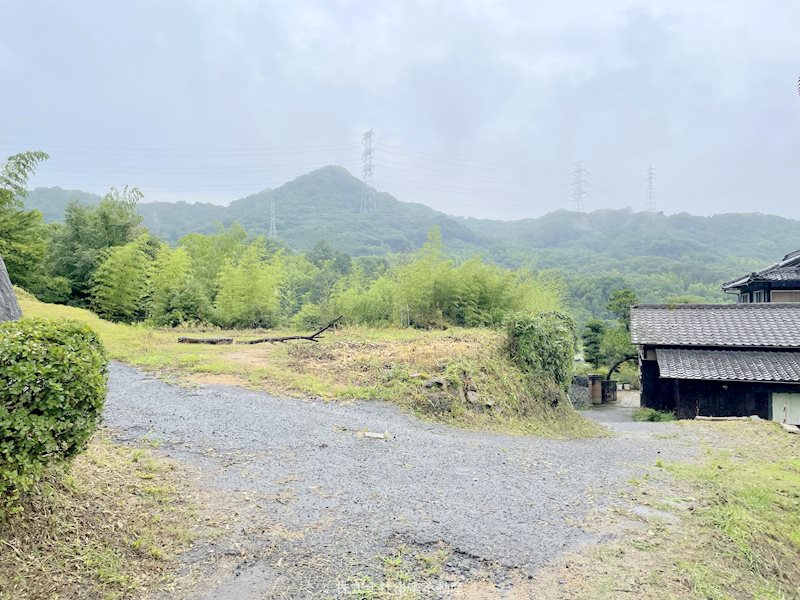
(787, 269)
(729, 365)
(760, 325)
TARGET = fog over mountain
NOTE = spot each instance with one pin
(479, 108)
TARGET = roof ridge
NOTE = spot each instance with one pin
(790, 260)
(729, 306)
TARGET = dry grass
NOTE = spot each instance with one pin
(109, 527)
(354, 363)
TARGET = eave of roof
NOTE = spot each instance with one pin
(790, 260)
(729, 365)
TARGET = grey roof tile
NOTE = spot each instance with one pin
(763, 325)
(729, 365)
(783, 274)
(787, 269)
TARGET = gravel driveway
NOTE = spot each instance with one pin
(324, 502)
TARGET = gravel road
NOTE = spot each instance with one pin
(332, 500)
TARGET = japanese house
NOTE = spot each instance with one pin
(724, 359)
(778, 283)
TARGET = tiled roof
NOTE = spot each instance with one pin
(786, 270)
(760, 325)
(729, 365)
(783, 274)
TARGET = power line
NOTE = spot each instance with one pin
(188, 152)
(427, 156)
(579, 194)
(367, 191)
(650, 203)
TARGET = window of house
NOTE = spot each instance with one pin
(786, 296)
(744, 298)
(758, 296)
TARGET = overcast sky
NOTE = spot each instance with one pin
(479, 108)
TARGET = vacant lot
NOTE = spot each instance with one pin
(397, 365)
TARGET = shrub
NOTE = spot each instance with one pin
(188, 304)
(52, 388)
(544, 345)
(650, 414)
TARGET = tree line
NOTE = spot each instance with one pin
(101, 257)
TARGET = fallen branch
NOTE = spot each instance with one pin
(314, 337)
(186, 340)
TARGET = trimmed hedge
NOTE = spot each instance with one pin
(543, 345)
(53, 378)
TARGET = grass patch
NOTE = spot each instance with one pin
(405, 574)
(109, 527)
(738, 536)
(749, 513)
(652, 415)
(356, 363)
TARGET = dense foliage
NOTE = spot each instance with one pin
(658, 256)
(544, 345)
(24, 237)
(609, 343)
(52, 389)
(231, 280)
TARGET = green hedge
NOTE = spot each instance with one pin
(53, 379)
(544, 345)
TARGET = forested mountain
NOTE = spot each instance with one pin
(659, 256)
(52, 201)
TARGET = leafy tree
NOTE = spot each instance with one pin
(171, 272)
(88, 231)
(23, 234)
(119, 285)
(209, 253)
(424, 284)
(620, 304)
(593, 333)
(248, 289)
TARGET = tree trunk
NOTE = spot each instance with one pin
(9, 307)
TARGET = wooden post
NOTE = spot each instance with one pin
(9, 307)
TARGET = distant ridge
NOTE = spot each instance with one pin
(659, 255)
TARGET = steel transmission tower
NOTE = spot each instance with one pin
(273, 230)
(368, 191)
(578, 184)
(650, 204)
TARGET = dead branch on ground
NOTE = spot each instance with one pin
(314, 337)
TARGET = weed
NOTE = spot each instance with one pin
(649, 414)
(100, 530)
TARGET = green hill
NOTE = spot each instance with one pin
(52, 201)
(658, 255)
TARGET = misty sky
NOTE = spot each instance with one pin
(480, 108)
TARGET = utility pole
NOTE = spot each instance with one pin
(273, 230)
(650, 204)
(578, 184)
(368, 204)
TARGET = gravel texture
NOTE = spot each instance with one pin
(323, 501)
